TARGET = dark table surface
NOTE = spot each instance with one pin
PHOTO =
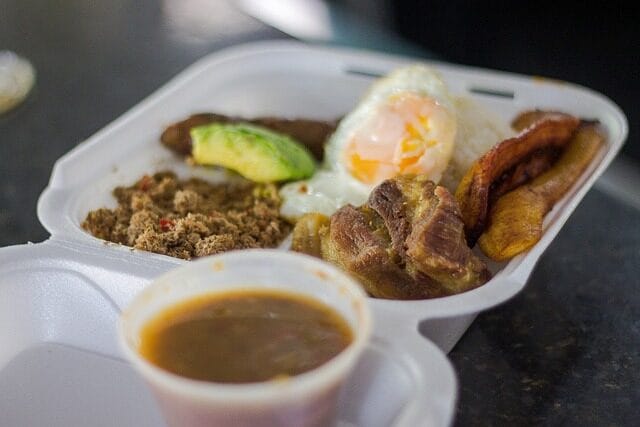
(564, 352)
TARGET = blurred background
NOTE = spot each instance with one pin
(590, 44)
(594, 44)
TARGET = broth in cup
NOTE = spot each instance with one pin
(248, 338)
(244, 336)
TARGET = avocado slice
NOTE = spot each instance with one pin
(256, 153)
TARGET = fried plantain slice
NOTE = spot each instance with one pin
(513, 161)
(515, 220)
(527, 118)
(537, 163)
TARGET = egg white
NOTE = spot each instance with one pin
(325, 193)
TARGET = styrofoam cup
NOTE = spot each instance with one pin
(308, 399)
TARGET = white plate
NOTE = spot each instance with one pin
(77, 283)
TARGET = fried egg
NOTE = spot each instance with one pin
(407, 123)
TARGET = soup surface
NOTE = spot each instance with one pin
(244, 336)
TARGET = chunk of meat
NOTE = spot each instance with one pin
(509, 164)
(437, 248)
(388, 201)
(356, 242)
(427, 234)
(406, 242)
(311, 133)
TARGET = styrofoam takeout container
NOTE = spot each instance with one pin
(59, 300)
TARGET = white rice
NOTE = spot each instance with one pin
(478, 131)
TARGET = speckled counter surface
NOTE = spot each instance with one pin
(564, 352)
(567, 350)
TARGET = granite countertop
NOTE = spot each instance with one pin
(565, 351)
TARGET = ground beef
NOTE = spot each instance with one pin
(191, 218)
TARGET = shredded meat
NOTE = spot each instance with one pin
(191, 218)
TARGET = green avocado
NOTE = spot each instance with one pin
(256, 153)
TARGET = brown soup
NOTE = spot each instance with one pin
(244, 336)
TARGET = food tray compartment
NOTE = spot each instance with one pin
(295, 80)
(60, 364)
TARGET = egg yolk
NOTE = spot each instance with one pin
(408, 134)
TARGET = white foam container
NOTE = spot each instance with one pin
(59, 300)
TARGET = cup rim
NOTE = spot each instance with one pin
(291, 388)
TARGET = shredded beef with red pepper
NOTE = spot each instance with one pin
(191, 218)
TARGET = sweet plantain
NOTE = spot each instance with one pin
(515, 220)
(512, 162)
